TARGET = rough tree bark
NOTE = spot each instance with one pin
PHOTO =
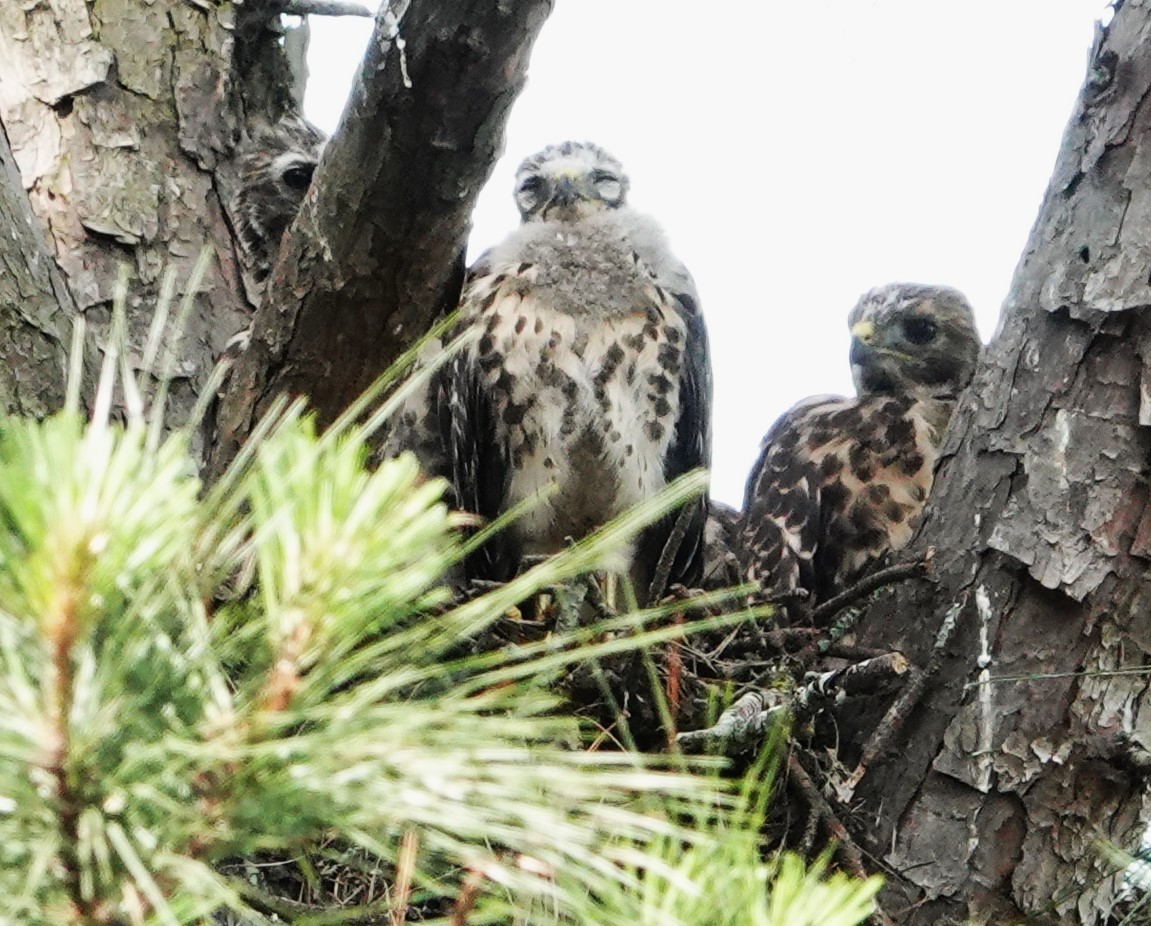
(1027, 749)
(33, 329)
(123, 116)
(118, 113)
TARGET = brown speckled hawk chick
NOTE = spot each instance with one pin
(588, 377)
(840, 483)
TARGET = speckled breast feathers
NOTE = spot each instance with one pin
(841, 483)
(581, 355)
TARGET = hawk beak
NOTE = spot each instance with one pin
(565, 192)
(861, 354)
(863, 350)
(863, 332)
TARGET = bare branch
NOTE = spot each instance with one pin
(668, 554)
(741, 726)
(899, 712)
(866, 586)
(846, 849)
(745, 723)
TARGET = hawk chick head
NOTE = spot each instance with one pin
(275, 170)
(569, 181)
(913, 339)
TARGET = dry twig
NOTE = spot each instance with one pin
(897, 715)
(825, 610)
(668, 554)
(845, 848)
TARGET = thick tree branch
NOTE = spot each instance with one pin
(377, 251)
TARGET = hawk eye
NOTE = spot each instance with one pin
(299, 176)
(919, 330)
(531, 185)
(607, 186)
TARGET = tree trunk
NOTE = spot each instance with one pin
(33, 326)
(118, 113)
(1025, 753)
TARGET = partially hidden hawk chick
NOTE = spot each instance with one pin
(840, 482)
(587, 386)
(275, 167)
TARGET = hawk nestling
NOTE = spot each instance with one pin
(841, 482)
(275, 166)
(589, 377)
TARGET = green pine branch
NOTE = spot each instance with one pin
(150, 731)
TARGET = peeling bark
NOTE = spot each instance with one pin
(1016, 763)
(122, 115)
(377, 251)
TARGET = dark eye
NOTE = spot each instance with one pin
(531, 185)
(299, 176)
(919, 330)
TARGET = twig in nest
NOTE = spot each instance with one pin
(855, 653)
(325, 8)
(828, 609)
(847, 622)
(674, 682)
(901, 709)
(780, 599)
(806, 846)
(845, 848)
(596, 599)
(864, 676)
(668, 554)
(750, 717)
(466, 899)
(741, 725)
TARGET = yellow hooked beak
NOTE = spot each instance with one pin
(863, 332)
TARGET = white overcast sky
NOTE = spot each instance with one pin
(797, 154)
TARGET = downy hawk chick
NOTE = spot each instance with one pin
(275, 167)
(839, 482)
(589, 377)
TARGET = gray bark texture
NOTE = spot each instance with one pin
(34, 332)
(118, 113)
(377, 251)
(1026, 752)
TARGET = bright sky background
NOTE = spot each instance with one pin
(797, 154)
